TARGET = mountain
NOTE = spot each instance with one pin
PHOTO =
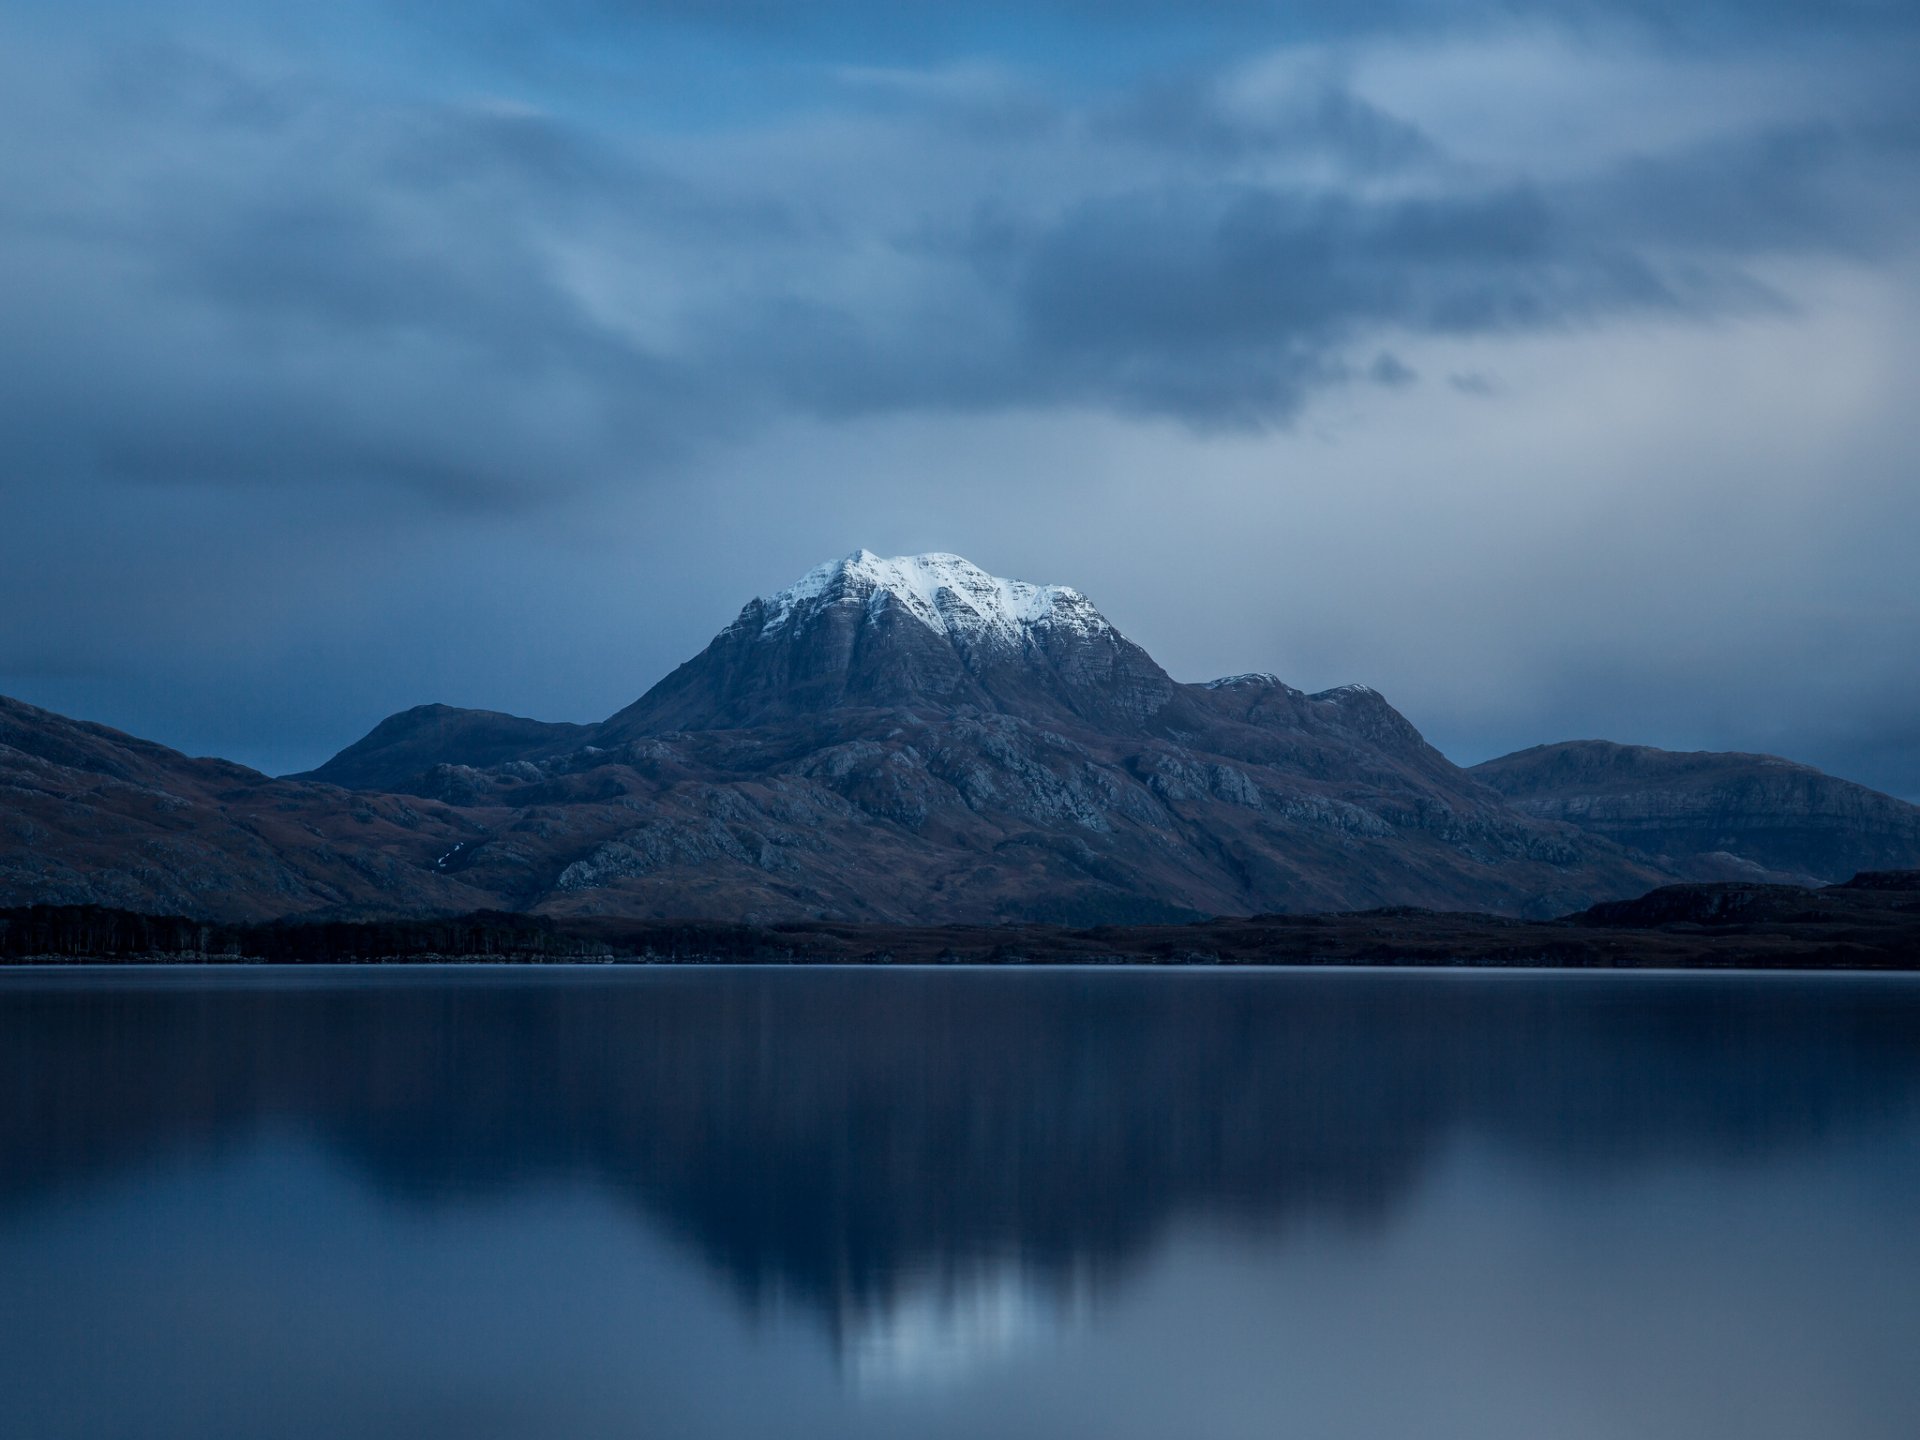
(930, 633)
(402, 747)
(89, 815)
(889, 740)
(913, 738)
(1769, 813)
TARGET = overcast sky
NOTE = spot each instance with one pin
(1549, 366)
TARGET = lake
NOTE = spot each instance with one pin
(684, 1202)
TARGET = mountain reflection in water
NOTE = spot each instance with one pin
(941, 1170)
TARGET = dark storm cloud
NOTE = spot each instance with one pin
(288, 284)
(1231, 306)
(1818, 186)
(1390, 370)
(1184, 114)
(317, 296)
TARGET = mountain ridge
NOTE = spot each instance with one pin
(419, 738)
(886, 741)
(1775, 813)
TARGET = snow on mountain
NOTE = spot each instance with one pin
(1250, 677)
(948, 594)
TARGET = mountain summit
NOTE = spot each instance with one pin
(922, 632)
(949, 594)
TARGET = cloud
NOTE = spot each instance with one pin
(1390, 370)
(922, 23)
(1207, 118)
(1233, 304)
(308, 293)
(277, 281)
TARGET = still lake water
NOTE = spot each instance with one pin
(974, 1203)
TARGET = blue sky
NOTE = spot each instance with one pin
(1547, 366)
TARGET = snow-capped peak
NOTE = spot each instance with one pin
(949, 594)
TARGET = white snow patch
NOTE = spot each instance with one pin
(947, 593)
(1251, 677)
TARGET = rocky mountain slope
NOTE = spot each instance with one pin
(1770, 813)
(931, 632)
(89, 815)
(897, 741)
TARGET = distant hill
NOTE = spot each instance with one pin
(1690, 806)
(91, 816)
(403, 747)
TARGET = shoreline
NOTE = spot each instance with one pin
(1870, 925)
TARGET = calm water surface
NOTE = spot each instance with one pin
(585, 1203)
